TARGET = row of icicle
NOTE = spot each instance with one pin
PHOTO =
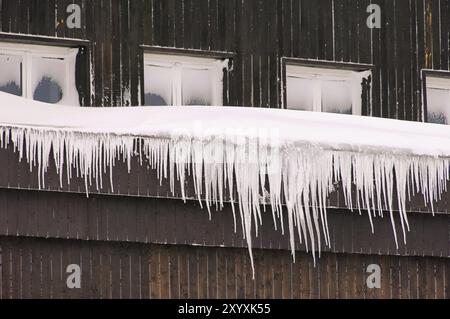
(300, 177)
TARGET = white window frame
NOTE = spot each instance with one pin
(437, 82)
(317, 74)
(28, 51)
(178, 62)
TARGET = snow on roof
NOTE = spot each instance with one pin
(300, 154)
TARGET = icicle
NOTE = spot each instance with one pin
(301, 176)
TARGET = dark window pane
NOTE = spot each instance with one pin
(48, 91)
(10, 74)
(154, 100)
(438, 105)
(11, 88)
(197, 101)
(300, 93)
(197, 87)
(336, 96)
(48, 79)
(158, 85)
(438, 118)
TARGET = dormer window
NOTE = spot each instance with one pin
(182, 80)
(438, 99)
(324, 89)
(42, 73)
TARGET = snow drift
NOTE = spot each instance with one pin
(298, 156)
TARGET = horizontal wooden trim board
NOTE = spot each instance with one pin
(43, 40)
(169, 221)
(188, 52)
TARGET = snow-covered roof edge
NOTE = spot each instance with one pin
(299, 154)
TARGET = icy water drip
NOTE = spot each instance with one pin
(258, 159)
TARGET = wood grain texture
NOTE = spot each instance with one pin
(35, 268)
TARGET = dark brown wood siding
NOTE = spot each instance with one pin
(36, 268)
(118, 240)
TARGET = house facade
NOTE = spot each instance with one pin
(378, 58)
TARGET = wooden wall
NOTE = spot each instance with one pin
(45, 230)
(130, 247)
(414, 36)
(36, 268)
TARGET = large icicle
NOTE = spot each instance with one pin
(299, 173)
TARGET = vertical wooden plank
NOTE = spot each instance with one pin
(423, 284)
(16, 251)
(332, 276)
(125, 56)
(415, 74)
(421, 50)
(125, 265)
(136, 284)
(260, 275)
(305, 262)
(145, 271)
(250, 282)
(5, 15)
(193, 274)
(447, 280)
(231, 274)
(287, 276)
(178, 23)
(36, 271)
(58, 271)
(221, 274)
(26, 270)
(212, 274)
(324, 280)
(395, 278)
(13, 20)
(6, 269)
(296, 275)
(87, 291)
(46, 274)
(430, 277)
(148, 21)
(113, 283)
(404, 279)
(96, 272)
(286, 22)
(110, 279)
(202, 273)
(174, 273)
(136, 56)
(314, 278)
(277, 277)
(439, 278)
(240, 274)
(164, 272)
(184, 273)
(341, 277)
(413, 278)
(113, 54)
(436, 33)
